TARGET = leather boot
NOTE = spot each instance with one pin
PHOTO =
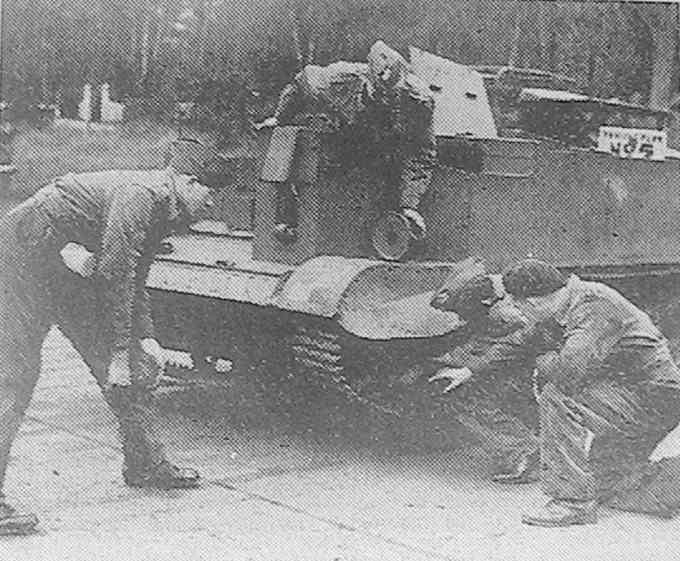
(561, 512)
(162, 476)
(13, 523)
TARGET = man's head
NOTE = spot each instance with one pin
(480, 300)
(386, 67)
(536, 287)
(470, 301)
(195, 197)
(188, 158)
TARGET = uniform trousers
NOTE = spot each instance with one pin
(595, 444)
(37, 292)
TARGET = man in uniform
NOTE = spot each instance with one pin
(381, 112)
(493, 367)
(611, 394)
(120, 217)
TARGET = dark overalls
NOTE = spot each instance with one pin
(121, 217)
(613, 395)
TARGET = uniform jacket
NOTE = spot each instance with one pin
(605, 335)
(120, 216)
(336, 89)
(397, 126)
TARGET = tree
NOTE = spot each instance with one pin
(662, 42)
(162, 51)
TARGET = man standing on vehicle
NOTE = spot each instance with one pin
(121, 217)
(381, 111)
(611, 394)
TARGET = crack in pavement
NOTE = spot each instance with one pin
(73, 433)
(331, 521)
(228, 484)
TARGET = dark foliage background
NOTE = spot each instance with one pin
(231, 57)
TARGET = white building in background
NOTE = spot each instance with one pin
(85, 105)
(111, 111)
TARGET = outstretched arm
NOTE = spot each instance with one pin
(484, 355)
(290, 103)
(125, 242)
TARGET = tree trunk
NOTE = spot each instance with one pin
(663, 26)
(514, 49)
(545, 36)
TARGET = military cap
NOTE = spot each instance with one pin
(531, 277)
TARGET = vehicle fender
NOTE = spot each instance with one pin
(372, 299)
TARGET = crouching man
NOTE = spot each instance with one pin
(121, 217)
(490, 375)
(611, 394)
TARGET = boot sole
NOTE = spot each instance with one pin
(151, 484)
(522, 480)
(544, 523)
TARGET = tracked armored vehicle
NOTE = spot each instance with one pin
(526, 168)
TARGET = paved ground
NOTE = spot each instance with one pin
(272, 494)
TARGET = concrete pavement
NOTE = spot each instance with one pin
(272, 493)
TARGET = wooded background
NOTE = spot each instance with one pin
(231, 57)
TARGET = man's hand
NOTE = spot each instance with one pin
(415, 221)
(119, 373)
(455, 376)
(152, 348)
(268, 123)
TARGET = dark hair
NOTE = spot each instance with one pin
(468, 300)
(532, 277)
